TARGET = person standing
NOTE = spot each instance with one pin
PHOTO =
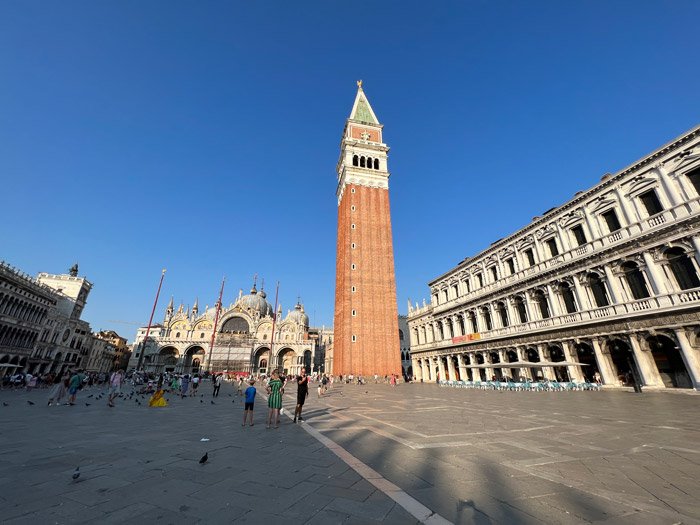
(274, 400)
(217, 384)
(249, 403)
(60, 389)
(195, 384)
(302, 392)
(185, 385)
(115, 386)
(74, 385)
(240, 386)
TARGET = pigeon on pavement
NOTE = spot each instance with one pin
(30, 402)
(204, 458)
(76, 474)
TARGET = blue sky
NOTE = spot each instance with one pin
(202, 137)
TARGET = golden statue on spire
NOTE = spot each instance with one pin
(359, 84)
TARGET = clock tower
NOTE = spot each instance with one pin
(366, 327)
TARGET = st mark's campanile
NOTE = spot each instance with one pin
(366, 329)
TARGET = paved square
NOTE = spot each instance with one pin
(524, 457)
(469, 456)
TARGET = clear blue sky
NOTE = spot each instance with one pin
(203, 136)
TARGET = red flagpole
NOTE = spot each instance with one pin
(150, 321)
(216, 322)
(272, 337)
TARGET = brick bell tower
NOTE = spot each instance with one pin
(366, 329)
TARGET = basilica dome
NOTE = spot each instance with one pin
(298, 316)
(255, 303)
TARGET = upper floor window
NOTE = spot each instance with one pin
(473, 322)
(579, 235)
(694, 178)
(468, 285)
(441, 331)
(611, 221)
(444, 293)
(487, 318)
(530, 256)
(503, 313)
(494, 273)
(511, 266)
(682, 269)
(480, 279)
(567, 295)
(355, 160)
(600, 293)
(651, 202)
(635, 280)
(455, 289)
(541, 300)
(552, 247)
(520, 307)
(461, 325)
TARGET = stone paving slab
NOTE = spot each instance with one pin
(140, 465)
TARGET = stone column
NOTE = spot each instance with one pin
(451, 368)
(547, 371)
(668, 190)
(570, 354)
(553, 301)
(696, 244)
(656, 280)
(417, 369)
(645, 363)
(583, 302)
(690, 356)
(489, 370)
(425, 370)
(522, 356)
(462, 368)
(629, 214)
(605, 365)
(613, 286)
(441, 369)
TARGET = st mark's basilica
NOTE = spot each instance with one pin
(243, 343)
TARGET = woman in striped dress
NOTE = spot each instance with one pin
(274, 400)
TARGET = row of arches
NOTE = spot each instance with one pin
(636, 284)
(614, 364)
(20, 309)
(365, 162)
(17, 337)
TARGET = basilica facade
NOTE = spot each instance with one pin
(605, 287)
(186, 340)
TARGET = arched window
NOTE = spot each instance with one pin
(503, 313)
(694, 177)
(600, 294)
(682, 268)
(568, 295)
(541, 300)
(635, 280)
(177, 335)
(355, 160)
(520, 307)
(487, 318)
(473, 322)
(450, 331)
(441, 331)
(376, 164)
(362, 162)
(369, 162)
(461, 325)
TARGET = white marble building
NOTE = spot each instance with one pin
(183, 342)
(607, 284)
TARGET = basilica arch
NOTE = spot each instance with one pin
(286, 360)
(261, 360)
(194, 360)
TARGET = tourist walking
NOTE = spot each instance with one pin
(115, 386)
(195, 384)
(249, 403)
(60, 389)
(217, 384)
(240, 386)
(274, 400)
(302, 392)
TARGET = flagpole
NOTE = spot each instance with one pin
(272, 337)
(150, 321)
(216, 323)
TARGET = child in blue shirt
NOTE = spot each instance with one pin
(249, 403)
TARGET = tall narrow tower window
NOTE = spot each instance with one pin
(352, 246)
(354, 338)
(352, 226)
(362, 162)
(353, 289)
(352, 266)
(352, 190)
(355, 160)
(354, 313)
(376, 164)
(352, 208)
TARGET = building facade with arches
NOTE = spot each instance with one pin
(243, 342)
(606, 285)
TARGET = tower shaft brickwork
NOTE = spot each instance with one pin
(366, 315)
